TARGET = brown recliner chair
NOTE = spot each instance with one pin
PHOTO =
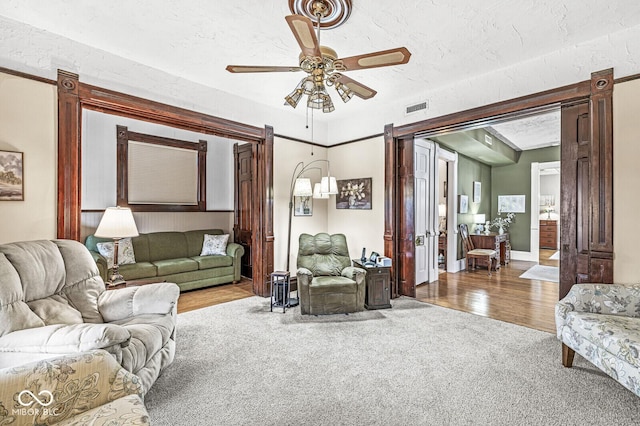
(327, 283)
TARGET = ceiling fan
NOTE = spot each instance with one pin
(322, 64)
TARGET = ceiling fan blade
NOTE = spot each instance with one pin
(258, 68)
(302, 29)
(358, 89)
(382, 58)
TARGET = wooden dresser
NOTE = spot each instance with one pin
(549, 234)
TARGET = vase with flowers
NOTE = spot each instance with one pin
(503, 223)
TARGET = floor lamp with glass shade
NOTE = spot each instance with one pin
(301, 187)
(116, 223)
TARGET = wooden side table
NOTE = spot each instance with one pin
(378, 285)
(135, 283)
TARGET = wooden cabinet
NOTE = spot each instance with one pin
(378, 286)
(549, 234)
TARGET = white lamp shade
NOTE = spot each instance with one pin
(302, 187)
(319, 194)
(117, 222)
(478, 218)
(442, 210)
(328, 185)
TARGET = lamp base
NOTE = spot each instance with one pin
(114, 280)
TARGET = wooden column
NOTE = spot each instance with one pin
(69, 157)
(601, 177)
(389, 205)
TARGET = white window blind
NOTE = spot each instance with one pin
(161, 174)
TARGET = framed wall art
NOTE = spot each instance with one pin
(477, 192)
(11, 176)
(463, 204)
(302, 206)
(511, 204)
(354, 194)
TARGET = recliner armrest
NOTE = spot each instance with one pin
(159, 298)
(356, 274)
(64, 338)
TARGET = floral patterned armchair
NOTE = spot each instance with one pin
(601, 322)
(81, 389)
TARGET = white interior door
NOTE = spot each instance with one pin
(426, 216)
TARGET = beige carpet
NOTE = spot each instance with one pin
(414, 364)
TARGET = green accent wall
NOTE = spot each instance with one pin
(469, 171)
(515, 179)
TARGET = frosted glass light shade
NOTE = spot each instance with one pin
(319, 194)
(302, 187)
(479, 218)
(328, 185)
(117, 222)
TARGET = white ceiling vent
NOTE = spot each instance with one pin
(412, 109)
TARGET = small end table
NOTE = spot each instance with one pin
(281, 291)
(378, 285)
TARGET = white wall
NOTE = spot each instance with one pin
(363, 228)
(286, 155)
(626, 181)
(28, 124)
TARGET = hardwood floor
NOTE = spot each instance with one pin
(503, 296)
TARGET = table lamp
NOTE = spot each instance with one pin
(116, 223)
(479, 220)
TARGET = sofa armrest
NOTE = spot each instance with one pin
(159, 298)
(73, 383)
(303, 277)
(101, 261)
(236, 251)
(609, 299)
(354, 273)
(65, 338)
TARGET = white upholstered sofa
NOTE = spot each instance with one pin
(601, 322)
(53, 302)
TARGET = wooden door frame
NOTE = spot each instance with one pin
(399, 191)
(74, 96)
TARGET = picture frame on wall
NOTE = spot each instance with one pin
(11, 176)
(463, 204)
(302, 206)
(354, 194)
(477, 192)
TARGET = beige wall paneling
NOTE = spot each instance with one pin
(626, 181)
(363, 228)
(28, 124)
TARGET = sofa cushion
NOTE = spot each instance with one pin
(138, 270)
(174, 266)
(167, 245)
(208, 262)
(39, 265)
(55, 310)
(126, 254)
(619, 335)
(332, 284)
(214, 244)
(195, 239)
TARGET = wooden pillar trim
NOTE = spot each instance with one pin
(389, 205)
(69, 156)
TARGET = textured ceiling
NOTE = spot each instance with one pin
(449, 41)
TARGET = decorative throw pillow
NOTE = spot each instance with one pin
(125, 252)
(214, 244)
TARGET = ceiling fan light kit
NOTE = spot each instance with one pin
(321, 63)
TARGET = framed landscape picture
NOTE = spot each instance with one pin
(354, 194)
(11, 180)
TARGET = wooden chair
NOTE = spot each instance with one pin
(473, 253)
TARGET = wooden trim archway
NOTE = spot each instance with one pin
(597, 93)
(74, 96)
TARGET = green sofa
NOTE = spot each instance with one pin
(175, 257)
